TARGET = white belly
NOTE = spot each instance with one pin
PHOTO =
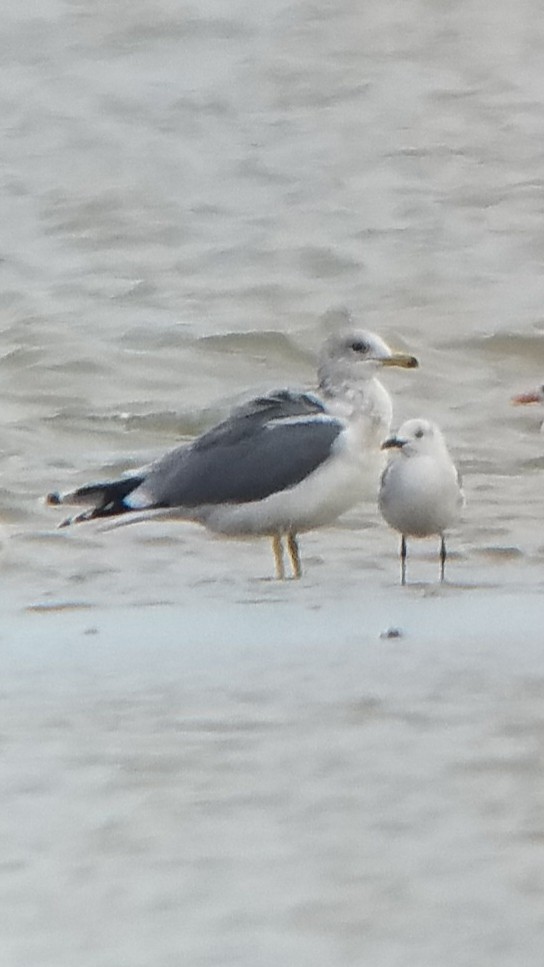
(420, 497)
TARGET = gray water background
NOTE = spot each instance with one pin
(199, 766)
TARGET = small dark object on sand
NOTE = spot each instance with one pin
(392, 633)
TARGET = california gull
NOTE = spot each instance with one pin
(280, 464)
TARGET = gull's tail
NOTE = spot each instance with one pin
(107, 499)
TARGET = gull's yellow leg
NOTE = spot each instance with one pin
(294, 555)
(277, 548)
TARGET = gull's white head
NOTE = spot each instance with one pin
(356, 355)
(416, 438)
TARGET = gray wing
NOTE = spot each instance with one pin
(266, 446)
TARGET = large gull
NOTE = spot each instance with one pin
(280, 464)
(420, 493)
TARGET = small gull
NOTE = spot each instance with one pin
(281, 464)
(420, 493)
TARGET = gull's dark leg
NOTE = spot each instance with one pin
(442, 557)
(277, 548)
(403, 560)
(294, 555)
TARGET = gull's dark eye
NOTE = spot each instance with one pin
(418, 434)
(359, 346)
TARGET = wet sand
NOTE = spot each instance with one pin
(336, 779)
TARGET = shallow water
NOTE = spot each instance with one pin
(199, 763)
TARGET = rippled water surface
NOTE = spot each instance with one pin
(199, 765)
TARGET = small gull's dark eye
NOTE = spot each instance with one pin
(359, 346)
(418, 434)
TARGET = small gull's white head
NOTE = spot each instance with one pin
(417, 438)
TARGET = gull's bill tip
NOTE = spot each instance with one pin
(391, 443)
